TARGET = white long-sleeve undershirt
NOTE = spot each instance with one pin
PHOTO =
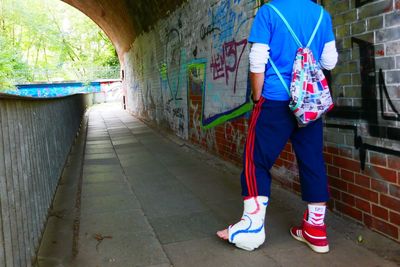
(329, 56)
(259, 55)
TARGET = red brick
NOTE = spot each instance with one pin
(348, 199)
(291, 157)
(347, 164)
(350, 211)
(283, 155)
(390, 202)
(394, 190)
(346, 152)
(330, 204)
(381, 226)
(380, 212)
(279, 162)
(363, 205)
(296, 187)
(363, 193)
(288, 147)
(380, 186)
(385, 174)
(394, 162)
(337, 183)
(363, 180)
(334, 193)
(377, 159)
(290, 165)
(347, 175)
(394, 218)
(333, 171)
(328, 158)
(332, 150)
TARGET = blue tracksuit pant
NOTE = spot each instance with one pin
(271, 125)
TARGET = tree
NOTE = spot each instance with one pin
(47, 40)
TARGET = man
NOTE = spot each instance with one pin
(272, 123)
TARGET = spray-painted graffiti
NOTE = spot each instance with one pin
(196, 77)
(228, 62)
(225, 95)
(368, 110)
(236, 138)
(198, 132)
(173, 82)
(360, 3)
(175, 60)
(149, 104)
(205, 31)
(49, 90)
(162, 84)
(394, 114)
(228, 16)
(196, 84)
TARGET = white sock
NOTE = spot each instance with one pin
(316, 214)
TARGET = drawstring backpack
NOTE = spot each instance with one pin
(309, 91)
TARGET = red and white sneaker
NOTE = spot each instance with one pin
(314, 236)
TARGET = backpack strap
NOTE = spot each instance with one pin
(321, 14)
(287, 25)
(291, 30)
(296, 40)
(279, 76)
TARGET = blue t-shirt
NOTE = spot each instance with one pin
(268, 28)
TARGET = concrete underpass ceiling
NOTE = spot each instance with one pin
(123, 20)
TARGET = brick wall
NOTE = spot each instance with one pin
(362, 134)
(189, 74)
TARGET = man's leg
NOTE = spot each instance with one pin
(308, 145)
(269, 129)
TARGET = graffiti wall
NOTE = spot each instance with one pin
(189, 74)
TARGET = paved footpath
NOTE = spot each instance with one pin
(144, 199)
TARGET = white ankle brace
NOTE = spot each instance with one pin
(249, 232)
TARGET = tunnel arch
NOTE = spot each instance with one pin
(123, 20)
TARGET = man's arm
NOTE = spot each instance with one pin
(258, 57)
(257, 82)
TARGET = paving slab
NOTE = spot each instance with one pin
(105, 189)
(123, 249)
(148, 199)
(110, 203)
(188, 226)
(213, 252)
(102, 177)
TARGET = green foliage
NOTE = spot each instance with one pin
(44, 40)
(11, 65)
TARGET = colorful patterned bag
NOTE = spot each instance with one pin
(309, 91)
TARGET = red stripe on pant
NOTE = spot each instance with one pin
(250, 170)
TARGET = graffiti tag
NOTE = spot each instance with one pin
(228, 62)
